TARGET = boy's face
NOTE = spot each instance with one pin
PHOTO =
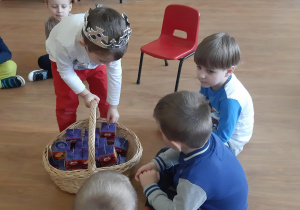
(59, 8)
(213, 78)
(97, 58)
(100, 58)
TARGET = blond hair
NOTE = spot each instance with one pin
(106, 190)
(47, 1)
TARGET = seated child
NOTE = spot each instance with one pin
(216, 57)
(106, 190)
(58, 10)
(8, 69)
(88, 47)
(198, 170)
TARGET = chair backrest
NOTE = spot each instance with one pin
(182, 18)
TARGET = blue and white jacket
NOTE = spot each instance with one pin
(232, 113)
(208, 178)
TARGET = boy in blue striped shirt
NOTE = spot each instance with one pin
(198, 170)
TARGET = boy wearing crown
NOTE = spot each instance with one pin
(88, 47)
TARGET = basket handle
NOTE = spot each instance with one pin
(92, 129)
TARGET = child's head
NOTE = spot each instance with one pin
(184, 117)
(107, 190)
(216, 58)
(59, 8)
(105, 34)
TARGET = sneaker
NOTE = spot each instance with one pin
(37, 75)
(12, 82)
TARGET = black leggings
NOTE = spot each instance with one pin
(45, 63)
(166, 181)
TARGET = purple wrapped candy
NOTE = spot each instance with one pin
(121, 146)
(73, 134)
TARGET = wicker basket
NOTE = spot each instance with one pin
(70, 181)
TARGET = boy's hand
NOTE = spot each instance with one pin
(147, 167)
(88, 97)
(112, 114)
(149, 177)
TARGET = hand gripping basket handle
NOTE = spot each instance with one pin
(92, 129)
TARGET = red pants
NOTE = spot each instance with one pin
(67, 101)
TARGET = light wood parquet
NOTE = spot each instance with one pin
(268, 35)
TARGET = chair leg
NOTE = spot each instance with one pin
(178, 74)
(120, 1)
(140, 68)
(166, 63)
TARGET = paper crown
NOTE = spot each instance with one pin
(98, 38)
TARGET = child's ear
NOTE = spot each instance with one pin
(176, 145)
(81, 42)
(230, 71)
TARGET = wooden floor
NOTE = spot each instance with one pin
(268, 34)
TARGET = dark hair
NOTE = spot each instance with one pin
(218, 51)
(113, 25)
(184, 117)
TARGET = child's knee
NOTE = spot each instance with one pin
(10, 67)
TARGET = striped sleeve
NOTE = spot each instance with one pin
(166, 159)
(189, 196)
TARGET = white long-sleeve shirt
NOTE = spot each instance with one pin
(64, 48)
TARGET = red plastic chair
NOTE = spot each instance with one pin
(171, 47)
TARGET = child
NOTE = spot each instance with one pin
(198, 170)
(88, 47)
(216, 57)
(58, 10)
(8, 69)
(107, 190)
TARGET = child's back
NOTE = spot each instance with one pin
(220, 175)
(72, 24)
(210, 177)
(204, 172)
